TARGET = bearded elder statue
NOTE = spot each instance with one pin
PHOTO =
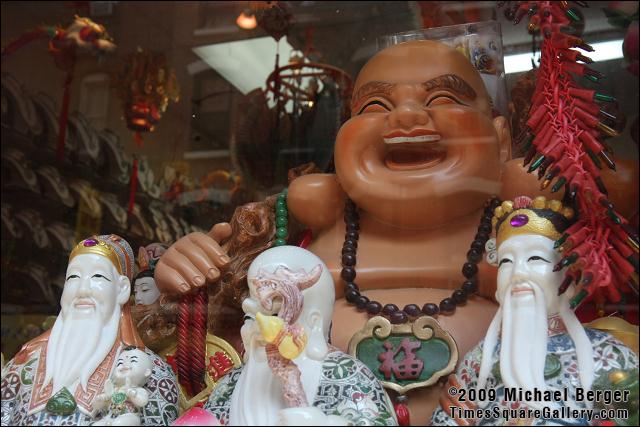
(55, 378)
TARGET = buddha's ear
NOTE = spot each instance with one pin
(503, 131)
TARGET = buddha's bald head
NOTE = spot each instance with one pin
(421, 138)
(432, 63)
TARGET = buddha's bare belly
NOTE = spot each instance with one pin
(467, 325)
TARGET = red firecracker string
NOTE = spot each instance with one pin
(564, 127)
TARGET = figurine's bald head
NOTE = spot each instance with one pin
(421, 138)
(432, 63)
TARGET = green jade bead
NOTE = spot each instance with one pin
(282, 212)
(281, 204)
(281, 232)
(281, 221)
(280, 242)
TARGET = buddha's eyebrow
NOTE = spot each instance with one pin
(445, 81)
(371, 88)
(451, 82)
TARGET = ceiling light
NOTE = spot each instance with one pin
(247, 20)
(603, 51)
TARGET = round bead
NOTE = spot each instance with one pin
(447, 305)
(374, 307)
(281, 221)
(353, 235)
(353, 226)
(348, 249)
(478, 244)
(348, 274)
(351, 286)
(349, 205)
(351, 216)
(349, 259)
(280, 242)
(459, 296)
(485, 228)
(281, 232)
(430, 309)
(474, 255)
(362, 302)
(481, 235)
(281, 204)
(398, 317)
(281, 212)
(352, 296)
(469, 287)
(412, 310)
(469, 270)
(389, 308)
(352, 242)
(282, 197)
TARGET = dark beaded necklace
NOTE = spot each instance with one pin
(391, 311)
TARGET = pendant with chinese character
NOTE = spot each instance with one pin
(406, 356)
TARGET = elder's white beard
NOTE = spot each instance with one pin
(524, 336)
(523, 348)
(257, 397)
(76, 347)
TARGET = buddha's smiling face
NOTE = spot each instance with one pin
(421, 146)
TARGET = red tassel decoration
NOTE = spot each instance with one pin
(138, 139)
(402, 411)
(64, 118)
(182, 352)
(133, 186)
(306, 238)
(198, 340)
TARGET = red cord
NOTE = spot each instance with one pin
(184, 315)
(198, 340)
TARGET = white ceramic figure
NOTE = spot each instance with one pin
(292, 292)
(535, 343)
(55, 378)
(124, 393)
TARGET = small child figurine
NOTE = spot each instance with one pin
(124, 394)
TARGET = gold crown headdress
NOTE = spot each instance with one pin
(110, 246)
(527, 216)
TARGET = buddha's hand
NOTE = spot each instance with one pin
(309, 416)
(194, 260)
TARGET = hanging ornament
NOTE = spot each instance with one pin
(276, 20)
(145, 83)
(565, 130)
(83, 34)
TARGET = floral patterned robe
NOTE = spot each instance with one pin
(347, 388)
(608, 354)
(24, 396)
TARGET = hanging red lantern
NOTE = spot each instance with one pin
(145, 83)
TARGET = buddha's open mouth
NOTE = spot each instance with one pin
(414, 156)
(418, 149)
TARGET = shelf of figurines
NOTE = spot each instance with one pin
(48, 205)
